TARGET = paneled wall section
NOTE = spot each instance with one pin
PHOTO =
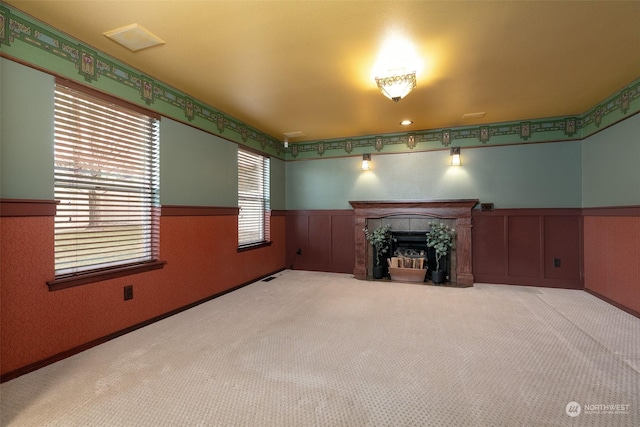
(510, 246)
(320, 240)
(536, 247)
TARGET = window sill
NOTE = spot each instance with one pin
(251, 246)
(98, 276)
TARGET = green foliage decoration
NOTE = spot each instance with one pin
(379, 238)
(440, 237)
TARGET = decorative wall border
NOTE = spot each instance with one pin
(546, 130)
(619, 106)
(25, 38)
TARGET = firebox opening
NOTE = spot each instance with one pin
(409, 239)
(413, 244)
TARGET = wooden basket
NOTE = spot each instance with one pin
(407, 274)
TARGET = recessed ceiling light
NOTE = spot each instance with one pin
(134, 37)
(473, 115)
(406, 122)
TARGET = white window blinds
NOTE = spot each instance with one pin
(253, 198)
(106, 181)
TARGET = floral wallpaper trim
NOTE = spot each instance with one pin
(25, 38)
(619, 106)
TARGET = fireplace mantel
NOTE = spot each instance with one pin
(460, 210)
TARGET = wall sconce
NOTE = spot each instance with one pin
(366, 159)
(286, 142)
(398, 86)
(455, 156)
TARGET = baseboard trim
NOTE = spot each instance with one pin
(528, 281)
(614, 303)
(79, 349)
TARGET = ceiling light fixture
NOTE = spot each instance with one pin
(366, 159)
(406, 122)
(397, 86)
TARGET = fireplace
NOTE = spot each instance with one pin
(456, 212)
(413, 244)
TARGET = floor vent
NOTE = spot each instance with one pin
(268, 279)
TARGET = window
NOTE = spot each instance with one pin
(253, 198)
(106, 182)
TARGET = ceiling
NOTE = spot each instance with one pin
(306, 66)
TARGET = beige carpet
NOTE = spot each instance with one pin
(318, 349)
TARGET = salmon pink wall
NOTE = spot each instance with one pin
(612, 259)
(202, 260)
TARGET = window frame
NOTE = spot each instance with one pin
(264, 198)
(150, 210)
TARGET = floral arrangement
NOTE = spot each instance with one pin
(379, 238)
(440, 238)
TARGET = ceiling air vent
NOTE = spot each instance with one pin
(134, 37)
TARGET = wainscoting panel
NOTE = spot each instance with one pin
(297, 232)
(519, 246)
(562, 243)
(320, 240)
(319, 243)
(342, 245)
(489, 246)
(524, 243)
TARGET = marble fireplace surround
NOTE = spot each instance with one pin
(459, 210)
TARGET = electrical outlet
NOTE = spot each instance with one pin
(128, 292)
(556, 262)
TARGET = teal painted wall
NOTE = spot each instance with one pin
(277, 181)
(196, 168)
(520, 176)
(200, 169)
(611, 166)
(26, 132)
